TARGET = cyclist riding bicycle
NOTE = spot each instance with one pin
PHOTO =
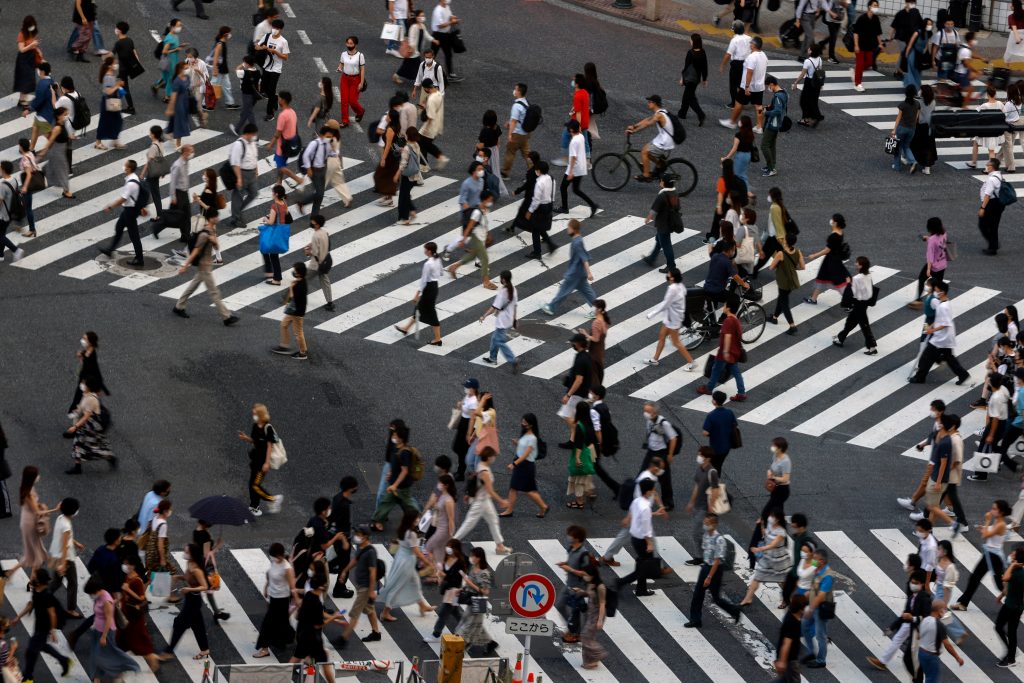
(662, 145)
(721, 274)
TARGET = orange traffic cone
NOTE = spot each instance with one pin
(517, 675)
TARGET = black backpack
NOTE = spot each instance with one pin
(624, 496)
(675, 217)
(16, 209)
(144, 198)
(609, 432)
(103, 417)
(193, 240)
(80, 116)
(599, 101)
(532, 118)
(678, 132)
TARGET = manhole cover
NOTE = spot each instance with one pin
(543, 330)
(154, 264)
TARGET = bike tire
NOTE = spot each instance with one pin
(611, 171)
(694, 336)
(752, 320)
(687, 174)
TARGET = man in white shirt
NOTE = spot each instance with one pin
(991, 210)
(129, 217)
(941, 340)
(538, 213)
(576, 169)
(243, 158)
(997, 415)
(442, 25)
(737, 52)
(264, 28)
(63, 552)
(67, 99)
(430, 69)
(641, 535)
(650, 474)
(433, 123)
(398, 13)
(314, 160)
(662, 144)
(755, 68)
(276, 48)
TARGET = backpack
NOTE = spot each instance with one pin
(611, 601)
(16, 209)
(598, 101)
(818, 79)
(412, 166)
(789, 224)
(624, 497)
(532, 118)
(542, 449)
(416, 467)
(609, 432)
(80, 115)
(661, 432)
(678, 132)
(193, 240)
(158, 50)
(675, 217)
(947, 52)
(142, 201)
(1006, 194)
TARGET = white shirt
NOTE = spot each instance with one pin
(991, 185)
(646, 474)
(578, 155)
(431, 272)
(999, 404)
(543, 192)
(277, 579)
(928, 550)
(863, 287)
(946, 337)
(665, 132)
(262, 30)
(739, 48)
(315, 154)
(399, 8)
(62, 525)
(811, 67)
(506, 314)
(673, 307)
(440, 15)
(481, 224)
(130, 191)
(281, 45)
(758, 62)
(640, 518)
(469, 404)
(946, 38)
(964, 53)
(659, 441)
(434, 72)
(927, 632)
(350, 63)
(244, 155)
(1011, 110)
(158, 526)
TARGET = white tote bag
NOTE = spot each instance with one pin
(391, 32)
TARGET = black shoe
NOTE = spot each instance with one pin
(343, 593)
(112, 461)
(695, 562)
(961, 380)
(562, 209)
(232, 107)
(647, 592)
(77, 469)
(552, 246)
(372, 638)
(691, 624)
(816, 665)
(230, 320)
(180, 312)
(663, 270)
(106, 252)
(80, 57)
(66, 668)
(137, 262)
(130, 112)
(989, 252)
(221, 616)
(489, 360)
(594, 209)
(566, 445)
(807, 659)
(329, 306)
(531, 254)
(268, 117)
(202, 16)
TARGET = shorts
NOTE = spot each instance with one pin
(568, 410)
(280, 161)
(656, 151)
(962, 79)
(43, 127)
(933, 498)
(362, 604)
(754, 98)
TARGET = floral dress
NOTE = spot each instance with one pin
(471, 626)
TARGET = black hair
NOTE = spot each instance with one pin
(69, 506)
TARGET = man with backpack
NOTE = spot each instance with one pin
(670, 133)
(405, 464)
(430, 69)
(201, 247)
(606, 435)
(993, 200)
(662, 441)
(821, 608)
(773, 119)
(10, 200)
(718, 555)
(628, 490)
(242, 162)
(133, 200)
(365, 576)
(523, 120)
(79, 114)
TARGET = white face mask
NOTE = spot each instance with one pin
(276, 33)
(479, 173)
(658, 472)
(176, 29)
(700, 459)
(708, 528)
(240, 73)
(255, 418)
(394, 440)
(31, 29)
(804, 555)
(428, 62)
(915, 588)
(774, 449)
(449, 552)
(920, 534)
(84, 343)
(515, 94)
(358, 539)
(572, 85)
(81, 385)
(934, 414)
(480, 158)
(126, 569)
(469, 392)
(771, 521)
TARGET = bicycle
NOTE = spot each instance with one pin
(753, 320)
(613, 170)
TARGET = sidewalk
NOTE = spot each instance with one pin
(693, 16)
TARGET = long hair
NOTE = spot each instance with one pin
(531, 419)
(105, 66)
(728, 174)
(448, 482)
(506, 279)
(30, 20)
(328, 87)
(746, 131)
(601, 309)
(28, 480)
(590, 73)
(408, 523)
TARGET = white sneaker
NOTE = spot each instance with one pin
(689, 367)
(859, 88)
(274, 506)
(906, 504)
(727, 123)
(758, 130)
(560, 161)
(651, 361)
(916, 516)
(442, 162)
(394, 53)
(256, 512)
(927, 170)
(590, 315)
(948, 510)
(18, 255)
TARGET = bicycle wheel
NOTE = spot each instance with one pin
(687, 175)
(611, 171)
(752, 319)
(693, 336)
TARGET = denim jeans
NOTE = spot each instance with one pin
(499, 342)
(734, 368)
(815, 628)
(385, 473)
(663, 242)
(740, 163)
(913, 74)
(224, 81)
(569, 284)
(904, 135)
(954, 627)
(930, 666)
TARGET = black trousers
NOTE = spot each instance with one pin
(690, 102)
(1010, 435)
(735, 76)
(776, 500)
(405, 205)
(39, 642)
(933, 354)
(715, 588)
(858, 316)
(319, 178)
(718, 460)
(782, 307)
(989, 224)
(978, 574)
(427, 146)
(183, 214)
(154, 193)
(460, 447)
(190, 617)
(575, 182)
(197, 3)
(645, 567)
(833, 34)
(1007, 622)
(129, 219)
(608, 480)
(445, 43)
(770, 246)
(665, 480)
(953, 496)
(269, 85)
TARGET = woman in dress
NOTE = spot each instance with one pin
(989, 142)
(773, 559)
(28, 166)
(35, 522)
(444, 519)
(477, 583)
(418, 39)
(58, 171)
(29, 56)
(786, 262)
(135, 636)
(524, 467)
(923, 144)
(191, 614)
(109, 127)
(809, 96)
(402, 582)
(742, 148)
(322, 109)
(452, 569)
(384, 182)
(581, 459)
(946, 576)
(279, 591)
(1015, 39)
(425, 299)
(107, 660)
(179, 125)
(89, 366)
(673, 311)
(695, 72)
(596, 338)
(597, 593)
(832, 274)
(863, 291)
(90, 438)
(172, 48)
(482, 506)
(483, 432)
(407, 175)
(278, 215)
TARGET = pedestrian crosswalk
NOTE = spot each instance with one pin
(646, 640)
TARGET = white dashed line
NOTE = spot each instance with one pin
(304, 37)
(288, 12)
(320, 64)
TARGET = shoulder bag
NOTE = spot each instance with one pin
(159, 165)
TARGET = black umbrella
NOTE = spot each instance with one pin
(222, 510)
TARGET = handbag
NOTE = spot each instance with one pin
(478, 605)
(769, 485)
(458, 47)
(209, 96)
(690, 75)
(274, 238)
(736, 438)
(119, 617)
(391, 32)
(36, 183)
(278, 455)
(890, 145)
(113, 104)
(160, 584)
(159, 166)
(465, 596)
(755, 155)
(135, 69)
(165, 63)
(743, 356)
(708, 364)
(721, 505)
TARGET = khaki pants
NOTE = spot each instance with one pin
(336, 179)
(1006, 154)
(519, 143)
(477, 250)
(324, 280)
(204, 276)
(300, 338)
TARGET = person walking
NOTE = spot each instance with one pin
(820, 610)
(672, 310)
(402, 582)
(476, 584)
(179, 122)
(741, 153)
(807, 12)
(578, 275)
(352, 67)
(314, 160)
(524, 467)
(786, 262)
(712, 569)
(719, 427)
(597, 605)
(537, 206)
(941, 341)
(453, 570)
(834, 14)
(64, 549)
(571, 602)
(180, 209)
(364, 570)
(575, 170)
(662, 441)
(787, 657)
(320, 261)
(482, 506)
(596, 338)
(993, 535)
(29, 55)
(695, 72)
(58, 170)
(936, 259)
(641, 536)
(400, 479)
(665, 217)
(409, 173)
(312, 616)
(107, 659)
(445, 27)
(43, 607)
(908, 113)
(249, 85)
(581, 458)
(729, 355)
(442, 505)
(88, 430)
(294, 314)
(773, 559)
(917, 606)
(467, 405)
(475, 236)
(277, 53)
(832, 273)
(867, 33)
(220, 72)
(736, 53)
(425, 299)
(279, 591)
(201, 256)
(191, 615)
(112, 87)
(432, 113)
(991, 209)
(774, 117)
(1008, 618)
(285, 142)
(262, 438)
(34, 523)
(418, 40)
(863, 297)
(518, 137)
(134, 636)
(243, 159)
(751, 86)
(156, 166)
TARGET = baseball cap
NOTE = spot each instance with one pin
(471, 383)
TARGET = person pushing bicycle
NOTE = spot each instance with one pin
(662, 144)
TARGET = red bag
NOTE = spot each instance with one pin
(209, 96)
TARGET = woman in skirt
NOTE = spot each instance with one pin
(426, 295)
(107, 660)
(58, 171)
(418, 40)
(29, 56)
(109, 127)
(923, 145)
(444, 519)
(773, 559)
(402, 582)
(478, 584)
(524, 467)
(90, 437)
(135, 636)
(279, 591)
(384, 182)
(832, 274)
(89, 367)
(593, 652)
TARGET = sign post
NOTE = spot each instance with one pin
(531, 596)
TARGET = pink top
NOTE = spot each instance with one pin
(287, 123)
(100, 624)
(936, 251)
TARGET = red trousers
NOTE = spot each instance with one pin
(865, 59)
(349, 87)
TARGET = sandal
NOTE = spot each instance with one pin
(506, 514)
(574, 505)
(201, 655)
(541, 515)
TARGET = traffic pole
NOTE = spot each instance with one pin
(526, 656)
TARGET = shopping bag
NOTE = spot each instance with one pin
(984, 460)
(391, 32)
(160, 584)
(274, 238)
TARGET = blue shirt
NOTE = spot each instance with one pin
(943, 450)
(469, 192)
(518, 114)
(42, 103)
(148, 509)
(577, 256)
(777, 111)
(1019, 406)
(719, 424)
(825, 585)
(720, 271)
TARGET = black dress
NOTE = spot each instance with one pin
(526, 189)
(90, 368)
(25, 72)
(833, 272)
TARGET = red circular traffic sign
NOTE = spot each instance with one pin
(531, 595)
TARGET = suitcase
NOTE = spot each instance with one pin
(968, 123)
